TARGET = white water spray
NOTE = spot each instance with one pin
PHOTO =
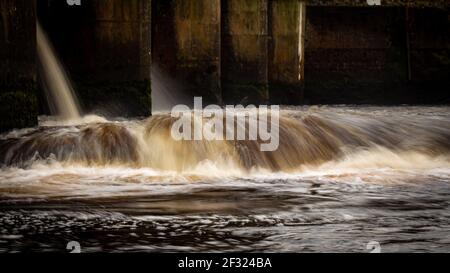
(166, 91)
(57, 84)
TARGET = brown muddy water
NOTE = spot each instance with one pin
(341, 178)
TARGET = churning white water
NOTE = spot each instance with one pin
(343, 176)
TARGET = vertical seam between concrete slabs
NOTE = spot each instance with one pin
(300, 46)
(302, 41)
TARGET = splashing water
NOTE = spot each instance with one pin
(307, 139)
(166, 91)
(342, 177)
(60, 94)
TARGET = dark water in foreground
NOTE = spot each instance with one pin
(399, 198)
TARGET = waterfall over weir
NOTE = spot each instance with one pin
(59, 91)
(127, 185)
(306, 139)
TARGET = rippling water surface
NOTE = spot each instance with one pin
(354, 175)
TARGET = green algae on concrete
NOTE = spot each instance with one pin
(18, 70)
(245, 51)
(286, 51)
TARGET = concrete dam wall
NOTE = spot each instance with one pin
(227, 51)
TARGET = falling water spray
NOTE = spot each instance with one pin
(59, 91)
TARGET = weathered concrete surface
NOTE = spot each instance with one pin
(429, 31)
(18, 104)
(429, 36)
(105, 45)
(242, 51)
(360, 55)
(354, 55)
(286, 51)
(384, 3)
(245, 51)
(186, 45)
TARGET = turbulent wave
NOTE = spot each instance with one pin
(312, 139)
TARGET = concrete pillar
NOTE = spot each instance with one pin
(245, 51)
(286, 51)
(17, 64)
(186, 45)
(105, 45)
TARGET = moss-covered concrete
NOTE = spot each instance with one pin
(286, 51)
(18, 106)
(241, 51)
(245, 51)
(186, 45)
(389, 55)
(246, 94)
(18, 109)
(124, 99)
(385, 3)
